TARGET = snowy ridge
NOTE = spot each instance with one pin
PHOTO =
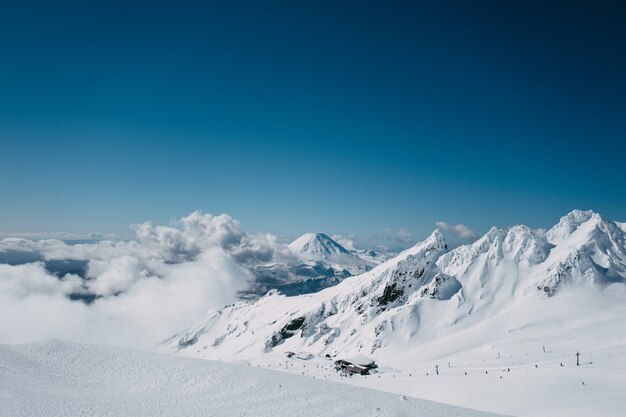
(590, 251)
(426, 292)
(568, 225)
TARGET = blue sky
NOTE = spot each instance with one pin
(333, 116)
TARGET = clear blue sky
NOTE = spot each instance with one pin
(297, 116)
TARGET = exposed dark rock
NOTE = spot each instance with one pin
(185, 342)
(286, 332)
(390, 294)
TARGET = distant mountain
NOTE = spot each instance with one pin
(316, 262)
(319, 248)
(431, 301)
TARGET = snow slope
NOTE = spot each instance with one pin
(510, 293)
(65, 379)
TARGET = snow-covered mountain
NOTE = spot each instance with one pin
(315, 261)
(469, 296)
(319, 248)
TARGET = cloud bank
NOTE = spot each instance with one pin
(139, 292)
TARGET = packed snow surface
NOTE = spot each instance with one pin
(54, 378)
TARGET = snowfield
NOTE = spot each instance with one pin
(57, 378)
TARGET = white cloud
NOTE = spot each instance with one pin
(116, 275)
(345, 241)
(146, 289)
(459, 230)
(34, 304)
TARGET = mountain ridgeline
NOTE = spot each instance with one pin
(506, 280)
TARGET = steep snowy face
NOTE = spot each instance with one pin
(568, 225)
(592, 252)
(523, 246)
(519, 245)
(394, 283)
(426, 293)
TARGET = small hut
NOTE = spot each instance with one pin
(305, 356)
(359, 364)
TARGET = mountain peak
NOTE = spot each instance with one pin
(317, 244)
(437, 240)
(569, 223)
(318, 250)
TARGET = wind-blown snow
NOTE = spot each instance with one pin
(56, 378)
